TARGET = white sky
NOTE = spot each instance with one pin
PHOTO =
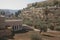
(15, 4)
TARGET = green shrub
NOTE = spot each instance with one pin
(51, 27)
(43, 28)
(36, 36)
(57, 29)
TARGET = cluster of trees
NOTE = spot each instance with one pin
(8, 14)
(17, 13)
(2, 13)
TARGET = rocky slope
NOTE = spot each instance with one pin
(41, 13)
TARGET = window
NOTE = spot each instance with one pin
(17, 27)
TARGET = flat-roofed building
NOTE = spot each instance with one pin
(15, 24)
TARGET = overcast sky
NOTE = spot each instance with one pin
(15, 4)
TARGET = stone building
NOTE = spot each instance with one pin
(15, 24)
(2, 22)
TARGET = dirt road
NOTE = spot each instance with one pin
(45, 36)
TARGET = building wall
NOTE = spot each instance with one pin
(2, 22)
(14, 24)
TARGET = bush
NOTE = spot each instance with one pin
(57, 29)
(51, 27)
(36, 36)
(43, 28)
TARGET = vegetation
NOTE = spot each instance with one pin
(17, 13)
(40, 19)
(36, 36)
(2, 12)
(44, 18)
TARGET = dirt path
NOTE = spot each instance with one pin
(26, 36)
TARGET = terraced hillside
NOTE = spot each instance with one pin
(41, 13)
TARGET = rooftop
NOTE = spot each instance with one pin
(13, 20)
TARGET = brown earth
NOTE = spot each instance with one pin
(45, 36)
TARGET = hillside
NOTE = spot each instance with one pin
(46, 13)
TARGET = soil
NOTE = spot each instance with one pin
(45, 36)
